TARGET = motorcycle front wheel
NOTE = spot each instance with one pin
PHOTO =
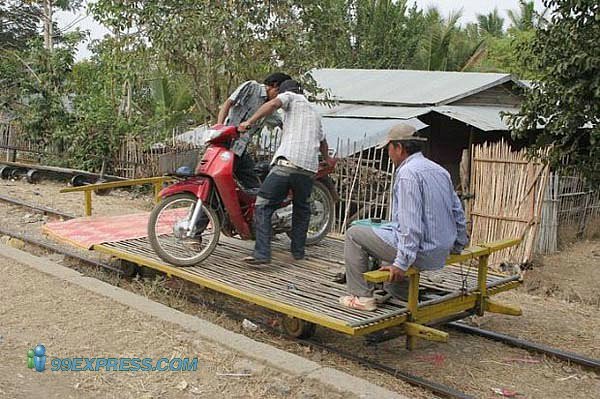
(321, 214)
(166, 230)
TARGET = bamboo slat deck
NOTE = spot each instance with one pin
(303, 289)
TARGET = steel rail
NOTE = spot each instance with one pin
(57, 249)
(432, 386)
(527, 345)
(36, 207)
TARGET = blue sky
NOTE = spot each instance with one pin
(470, 8)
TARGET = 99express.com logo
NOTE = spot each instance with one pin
(37, 358)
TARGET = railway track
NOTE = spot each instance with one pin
(434, 387)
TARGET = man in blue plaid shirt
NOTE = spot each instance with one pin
(428, 223)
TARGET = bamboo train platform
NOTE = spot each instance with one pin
(304, 291)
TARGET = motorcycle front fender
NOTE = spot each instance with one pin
(198, 186)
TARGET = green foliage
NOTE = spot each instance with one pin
(18, 23)
(491, 24)
(43, 83)
(566, 55)
(508, 54)
(525, 18)
(439, 49)
(216, 45)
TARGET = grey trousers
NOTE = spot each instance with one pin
(360, 243)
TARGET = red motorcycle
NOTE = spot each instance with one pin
(184, 227)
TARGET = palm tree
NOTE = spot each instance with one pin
(491, 24)
(526, 18)
(172, 100)
(434, 52)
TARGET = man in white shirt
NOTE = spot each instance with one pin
(294, 165)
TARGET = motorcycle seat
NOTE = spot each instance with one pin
(262, 168)
(180, 175)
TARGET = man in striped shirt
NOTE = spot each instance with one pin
(428, 223)
(240, 105)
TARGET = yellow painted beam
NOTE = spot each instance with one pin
(501, 244)
(495, 307)
(157, 188)
(381, 276)
(115, 184)
(424, 332)
(380, 325)
(87, 195)
(482, 270)
(432, 313)
(471, 252)
(413, 305)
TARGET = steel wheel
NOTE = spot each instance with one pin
(298, 328)
(167, 235)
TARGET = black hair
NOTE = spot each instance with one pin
(411, 146)
(276, 79)
(290, 85)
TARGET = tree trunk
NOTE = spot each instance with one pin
(48, 28)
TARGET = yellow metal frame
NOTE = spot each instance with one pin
(413, 321)
(477, 300)
(87, 189)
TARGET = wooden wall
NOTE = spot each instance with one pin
(501, 95)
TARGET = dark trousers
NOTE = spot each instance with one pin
(272, 192)
(244, 171)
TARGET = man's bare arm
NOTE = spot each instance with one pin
(224, 111)
(266, 109)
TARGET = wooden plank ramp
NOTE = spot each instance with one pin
(302, 289)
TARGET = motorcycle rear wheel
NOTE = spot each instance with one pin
(182, 251)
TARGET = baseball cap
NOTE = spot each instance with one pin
(400, 132)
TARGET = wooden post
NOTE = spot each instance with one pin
(583, 220)
(11, 154)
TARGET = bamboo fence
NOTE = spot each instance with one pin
(570, 206)
(363, 182)
(509, 190)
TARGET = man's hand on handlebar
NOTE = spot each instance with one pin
(329, 162)
(244, 126)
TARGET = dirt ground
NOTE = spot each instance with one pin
(559, 300)
(571, 274)
(101, 327)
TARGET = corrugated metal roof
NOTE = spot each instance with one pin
(484, 118)
(371, 111)
(359, 133)
(404, 87)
